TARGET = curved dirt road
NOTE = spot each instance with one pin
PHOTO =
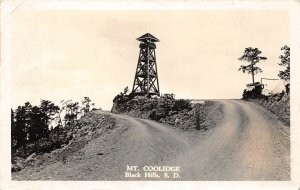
(249, 143)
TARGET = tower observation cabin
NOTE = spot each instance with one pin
(146, 78)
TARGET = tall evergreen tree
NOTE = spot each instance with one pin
(21, 125)
(86, 104)
(251, 55)
(72, 110)
(38, 127)
(285, 61)
(51, 110)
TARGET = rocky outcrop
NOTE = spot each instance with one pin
(150, 108)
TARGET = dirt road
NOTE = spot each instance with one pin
(249, 143)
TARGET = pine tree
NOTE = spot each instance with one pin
(285, 61)
(86, 104)
(251, 55)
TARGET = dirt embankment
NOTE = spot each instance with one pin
(279, 104)
(179, 113)
(68, 140)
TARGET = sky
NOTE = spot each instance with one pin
(64, 54)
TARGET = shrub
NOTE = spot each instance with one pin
(182, 104)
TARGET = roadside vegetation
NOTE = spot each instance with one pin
(46, 127)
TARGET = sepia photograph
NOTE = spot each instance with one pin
(149, 94)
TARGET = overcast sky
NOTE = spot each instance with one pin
(59, 55)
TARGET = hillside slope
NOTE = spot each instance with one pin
(248, 143)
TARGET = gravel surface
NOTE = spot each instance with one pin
(248, 143)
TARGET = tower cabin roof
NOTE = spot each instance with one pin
(148, 36)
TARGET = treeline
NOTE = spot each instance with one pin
(33, 126)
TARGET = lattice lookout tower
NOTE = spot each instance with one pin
(146, 78)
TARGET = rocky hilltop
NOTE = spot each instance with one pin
(167, 110)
